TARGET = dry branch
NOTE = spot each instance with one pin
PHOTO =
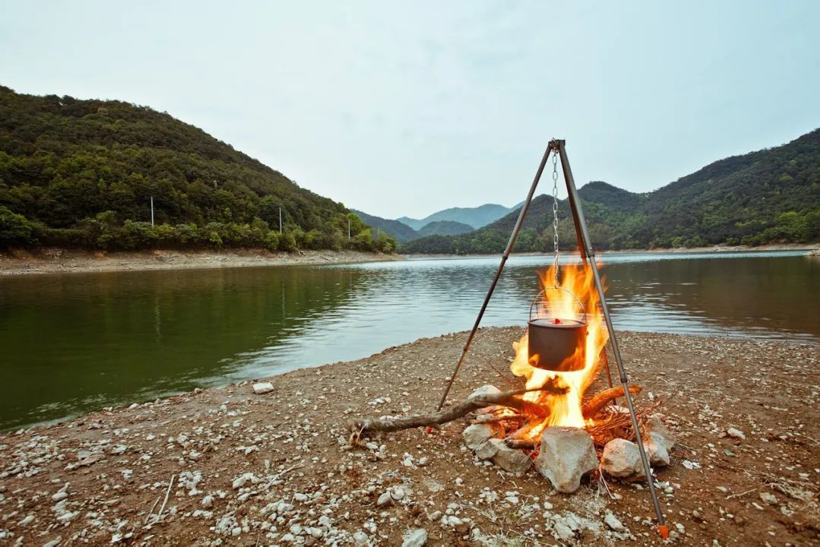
(474, 402)
(601, 399)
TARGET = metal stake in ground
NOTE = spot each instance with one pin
(578, 214)
(504, 258)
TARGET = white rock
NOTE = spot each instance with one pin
(736, 434)
(61, 495)
(484, 390)
(567, 454)
(416, 537)
(655, 446)
(769, 498)
(361, 538)
(621, 458)
(655, 425)
(488, 449)
(384, 499)
(207, 501)
(612, 521)
(476, 434)
(262, 387)
(243, 479)
(26, 521)
(510, 459)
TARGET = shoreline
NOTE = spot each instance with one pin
(238, 468)
(59, 261)
(810, 249)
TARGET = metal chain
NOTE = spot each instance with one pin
(555, 214)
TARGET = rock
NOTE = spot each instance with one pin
(655, 446)
(476, 434)
(414, 538)
(26, 521)
(655, 425)
(241, 480)
(510, 459)
(621, 458)
(768, 497)
(384, 499)
(262, 387)
(61, 495)
(567, 454)
(207, 501)
(361, 538)
(736, 434)
(53, 542)
(488, 449)
(484, 390)
(612, 521)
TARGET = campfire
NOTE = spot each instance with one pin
(551, 422)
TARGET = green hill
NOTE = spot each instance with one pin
(445, 228)
(82, 173)
(768, 196)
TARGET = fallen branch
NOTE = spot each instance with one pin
(601, 399)
(473, 402)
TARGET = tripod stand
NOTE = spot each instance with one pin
(557, 146)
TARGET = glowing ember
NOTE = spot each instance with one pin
(565, 410)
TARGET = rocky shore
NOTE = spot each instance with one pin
(49, 261)
(235, 467)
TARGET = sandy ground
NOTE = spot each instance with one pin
(228, 467)
(48, 261)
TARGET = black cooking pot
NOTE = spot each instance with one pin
(553, 340)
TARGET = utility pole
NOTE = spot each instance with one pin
(280, 220)
(152, 211)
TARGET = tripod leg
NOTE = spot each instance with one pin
(613, 339)
(504, 258)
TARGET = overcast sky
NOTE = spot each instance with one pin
(405, 108)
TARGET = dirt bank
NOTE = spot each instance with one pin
(271, 469)
(679, 250)
(48, 261)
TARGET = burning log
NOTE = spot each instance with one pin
(602, 398)
(474, 402)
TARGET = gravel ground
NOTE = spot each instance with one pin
(49, 261)
(229, 467)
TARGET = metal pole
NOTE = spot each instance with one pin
(152, 211)
(613, 339)
(504, 258)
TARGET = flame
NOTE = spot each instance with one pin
(581, 368)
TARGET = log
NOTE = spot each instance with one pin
(601, 399)
(474, 402)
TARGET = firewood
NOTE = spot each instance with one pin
(474, 402)
(526, 444)
(601, 399)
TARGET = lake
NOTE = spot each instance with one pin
(79, 342)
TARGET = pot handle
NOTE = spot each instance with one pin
(541, 295)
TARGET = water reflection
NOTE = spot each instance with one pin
(78, 342)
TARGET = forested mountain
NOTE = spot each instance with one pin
(401, 232)
(82, 173)
(445, 227)
(472, 216)
(768, 196)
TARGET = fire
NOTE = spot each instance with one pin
(565, 410)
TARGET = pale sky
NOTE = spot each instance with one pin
(406, 108)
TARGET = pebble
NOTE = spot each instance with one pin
(262, 388)
(736, 434)
(416, 537)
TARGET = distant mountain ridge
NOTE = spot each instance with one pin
(768, 196)
(404, 234)
(476, 217)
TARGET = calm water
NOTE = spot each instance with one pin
(72, 343)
